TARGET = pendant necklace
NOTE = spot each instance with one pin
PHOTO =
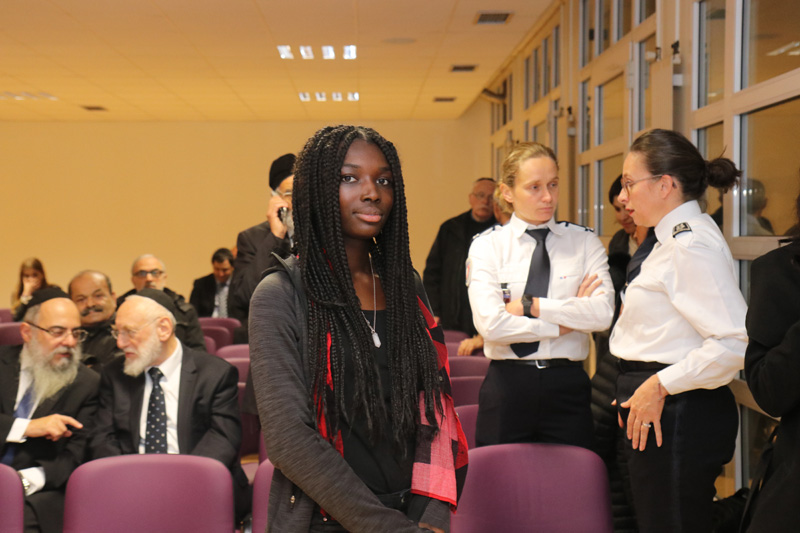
(375, 339)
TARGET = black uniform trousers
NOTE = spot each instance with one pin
(673, 486)
(519, 402)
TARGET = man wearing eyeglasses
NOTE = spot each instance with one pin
(48, 401)
(149, 272)
(256, 244)
(445, 272)
(164, 397)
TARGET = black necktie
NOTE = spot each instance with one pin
(155, 440)
(537, 284)
(641, 253)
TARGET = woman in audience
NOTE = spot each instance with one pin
(31, 279)
(351, 391)
(680, 336)
(772, 367)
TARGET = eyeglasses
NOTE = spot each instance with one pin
(156, 273)
(58, 332)
(629, 185)
(286, 194)
(127, 333)
(481, 195)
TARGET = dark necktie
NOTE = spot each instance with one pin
(537, 284)
(155, 440)
(23, 410)
(641, 253)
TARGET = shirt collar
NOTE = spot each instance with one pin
(519, 226)
(682, 213)
(173, 363)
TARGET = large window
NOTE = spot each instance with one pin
(771, 39)
(585, 117)
(587, 31)
(711, 52)
(545, 66)
(539, 133)
(536, 82)
(770, 169)
(646, 8)
(608, 171)
(624, 17)
(647, 55)
(556, 56)
(583, 195)
(604, 27)
(710, 144)
(609, 109)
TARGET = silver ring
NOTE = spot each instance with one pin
(648, 425)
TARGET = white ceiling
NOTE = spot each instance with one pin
(159, 60)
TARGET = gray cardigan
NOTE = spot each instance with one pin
(307, 468)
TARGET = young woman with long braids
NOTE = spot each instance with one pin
(680, 337)
(348, 365)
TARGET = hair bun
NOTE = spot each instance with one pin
(722, 173)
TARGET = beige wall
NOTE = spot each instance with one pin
(81, 195)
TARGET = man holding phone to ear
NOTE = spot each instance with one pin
(256, 244)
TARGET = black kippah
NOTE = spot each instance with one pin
(281, 169)
(48, 293)
(161, 298)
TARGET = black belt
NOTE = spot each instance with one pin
(640, 366)
(541, 363)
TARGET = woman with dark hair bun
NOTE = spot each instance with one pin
(349, 367)
(680, 337)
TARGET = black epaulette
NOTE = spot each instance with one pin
(487, 231)
(681, 228)
(568, 224)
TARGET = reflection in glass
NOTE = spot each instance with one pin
(540, 132)
(624, 17)
(769, 169)
(535, 81)
(711, 52)
(646, 8)
(509, 88)
(604, 27)
(556, 56)
(709, 143)
(545, 67)
(647, 54)
(610, 168)
(771, 39)
(554, 133)
(527, 131)
(587, 31)
(609, 111)
(527, 99)
(583, 195)
(585, 117)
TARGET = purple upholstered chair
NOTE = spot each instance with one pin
(468, 416)
(234, 351)
(152, 492)
(12, 501)
(465, 389)
(261, 495)
(534, 487)
(242, 364)
(468, 366)
(229, 323)
(6, 316)
(211, 345)
(10, 335)
(222, 336)
(451, 335)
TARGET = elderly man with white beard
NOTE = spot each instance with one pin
(163, 397)
(48, 401)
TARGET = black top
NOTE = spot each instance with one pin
(380, 465)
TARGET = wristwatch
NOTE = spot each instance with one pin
(26, 485)
(527, 301)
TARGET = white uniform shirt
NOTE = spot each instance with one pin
(503, 255)
(685, 308)
(171, 385)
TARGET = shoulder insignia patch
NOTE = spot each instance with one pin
(680, 228)
(574, 226)
(487, 231)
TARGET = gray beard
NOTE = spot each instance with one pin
(48, 379)
(147, 353)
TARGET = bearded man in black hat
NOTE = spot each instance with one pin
(256, 244)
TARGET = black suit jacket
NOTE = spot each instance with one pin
(772, 368)
(203, 294)
(60, 458)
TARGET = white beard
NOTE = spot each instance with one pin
(146, 354)
(48, 379)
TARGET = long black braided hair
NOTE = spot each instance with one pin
(334, 306)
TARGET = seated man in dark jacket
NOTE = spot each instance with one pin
(210, 293)
(91, 291)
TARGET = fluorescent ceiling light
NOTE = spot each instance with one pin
(305, 97)
(350, 51)
(320, 96)
(306, 52)
(48, 96)
(782, 49)
(352, 97)
(285, 51)
(337, 97)
(328, 53)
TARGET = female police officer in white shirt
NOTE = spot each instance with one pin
(681, 337)
(535, 310)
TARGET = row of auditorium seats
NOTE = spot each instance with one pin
(509, 487)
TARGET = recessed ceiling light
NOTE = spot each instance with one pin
(285, 51)
(306, 52)
(328, 53)
(399, 40)
(305, 97)
(463, 68)
(94, 108)
(492, 17)
(439, 99)
(352, 97)
(350, 51)
(320, 96)
(337, 97)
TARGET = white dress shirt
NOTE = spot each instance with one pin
(502, 255)
(685, 309)
(221, 299)
(171, 385)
